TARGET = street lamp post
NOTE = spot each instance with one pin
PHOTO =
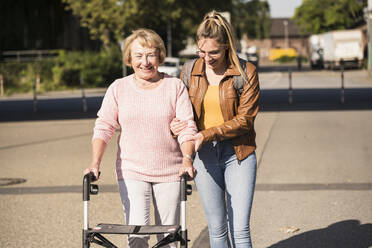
(169, 38)
(285, 23)
(369, 26)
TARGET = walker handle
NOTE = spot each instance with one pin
(89, 188)
(184, 185)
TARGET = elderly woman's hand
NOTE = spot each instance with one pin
(187, 167)
(93, 168)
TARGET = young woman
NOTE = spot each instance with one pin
(226, 161)
(149, 160)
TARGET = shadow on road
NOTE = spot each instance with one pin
(271, 100)
(49, 109)
(316, 99)
(345, 234)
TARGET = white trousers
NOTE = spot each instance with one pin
(136, 199)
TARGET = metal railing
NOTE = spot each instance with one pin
(27, 55)
(342, 86)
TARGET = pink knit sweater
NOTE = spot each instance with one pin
(146, 149)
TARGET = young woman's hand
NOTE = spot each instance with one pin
(198, 140)
(176, 126)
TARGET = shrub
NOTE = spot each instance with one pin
(285, 58)
(21, 76)
(97, 69)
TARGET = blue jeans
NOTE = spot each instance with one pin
(226, 188)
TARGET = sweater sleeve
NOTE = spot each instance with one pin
(184, 111)
(107, 120)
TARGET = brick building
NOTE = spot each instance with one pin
(283, 34)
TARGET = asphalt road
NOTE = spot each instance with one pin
(314, 184)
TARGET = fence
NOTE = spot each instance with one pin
(28, 55)
(342, 86)
(36, 85)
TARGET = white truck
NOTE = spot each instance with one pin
(329, 50)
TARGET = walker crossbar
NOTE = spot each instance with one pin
(134, 229)
(174, 233)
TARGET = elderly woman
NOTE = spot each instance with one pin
(149, 160)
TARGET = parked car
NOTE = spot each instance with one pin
(250, 55)
(171, 66)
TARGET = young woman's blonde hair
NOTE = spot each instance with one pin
(147, 38)
(215, 26)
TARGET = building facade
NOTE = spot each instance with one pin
(284, 34)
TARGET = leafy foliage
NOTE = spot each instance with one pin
(21, 76)
(285, 59)
(112, 20)
(97, 69)
(252, 18)
(318, 16)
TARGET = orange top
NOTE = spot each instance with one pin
(211, 114)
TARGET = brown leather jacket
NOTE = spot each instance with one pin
(238, 113)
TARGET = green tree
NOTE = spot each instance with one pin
(318, 16)
(112, 20)
(252, 18)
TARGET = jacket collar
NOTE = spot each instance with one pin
(199, 69)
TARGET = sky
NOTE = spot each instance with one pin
(283, 8)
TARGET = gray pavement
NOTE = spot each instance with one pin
(314, 183)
